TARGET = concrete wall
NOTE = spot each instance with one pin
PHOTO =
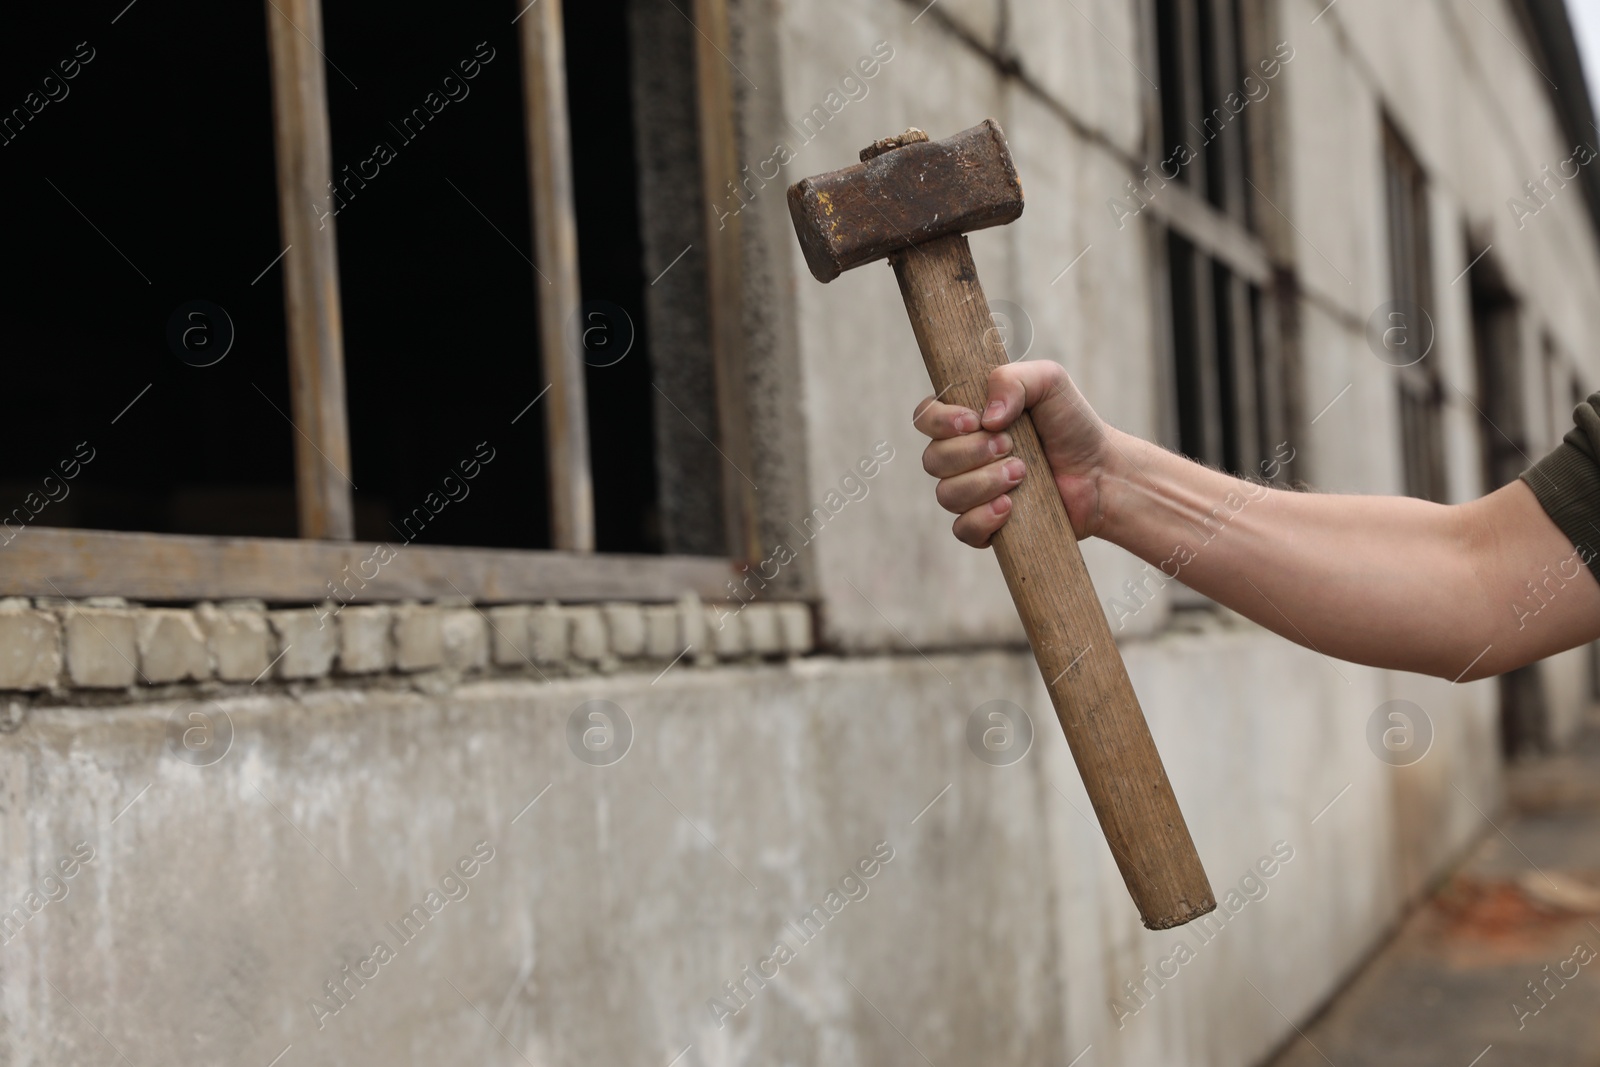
(1459, 83)
(220, 899)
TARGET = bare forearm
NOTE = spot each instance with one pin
(1460, 591)
(1387, 581)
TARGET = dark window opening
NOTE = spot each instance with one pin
(1505, 443)
(1188, 364)
(1247, 141)
(1228, 401)
(1228, 371)
(1499, 364)
(1198, 49)
(140, 173)
(1214, 85)
(1220, 411)
(152, 389)
(1271, 435)
(1421, 395)
(1171, 69)
(611, 256)
(436, 276)
(439, 287)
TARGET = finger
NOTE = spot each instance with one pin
(966, 491)
(978, 526)
(957, 455)
(939, 420)
(1014, 387)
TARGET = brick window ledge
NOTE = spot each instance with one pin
(52, 647)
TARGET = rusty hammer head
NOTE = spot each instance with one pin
(906, 190)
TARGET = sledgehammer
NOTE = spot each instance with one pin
(910, 200)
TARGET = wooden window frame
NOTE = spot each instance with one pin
(173, 567)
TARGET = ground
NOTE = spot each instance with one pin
(1451, 988)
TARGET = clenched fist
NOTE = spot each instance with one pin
(971, 456)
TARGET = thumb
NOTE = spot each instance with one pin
(1014, 387)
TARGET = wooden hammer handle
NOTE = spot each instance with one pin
(1038, 553)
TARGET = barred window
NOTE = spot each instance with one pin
(1421, 394)
(1226, 391)
(513, 343)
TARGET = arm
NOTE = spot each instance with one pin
(1386, 581)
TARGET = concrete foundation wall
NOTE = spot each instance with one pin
(599, 922)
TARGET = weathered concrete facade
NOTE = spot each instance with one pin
(629, 911)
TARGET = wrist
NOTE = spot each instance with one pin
(1116, 486)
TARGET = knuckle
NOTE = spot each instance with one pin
(930, 459)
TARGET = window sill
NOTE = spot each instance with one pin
(43, 561)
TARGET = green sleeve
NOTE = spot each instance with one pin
(1567, 482)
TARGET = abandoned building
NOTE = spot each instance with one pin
(472, 596)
